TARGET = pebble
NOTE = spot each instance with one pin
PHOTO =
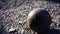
(12, 30)
(22, 31)
(20, 21)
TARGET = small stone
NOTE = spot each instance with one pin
(22, 31)
(25, 27)
(52, 25)
(58, 24)
(20, 21)
(12, 30)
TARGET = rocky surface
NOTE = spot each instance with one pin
(13, 15)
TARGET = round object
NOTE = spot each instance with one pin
(39, 20)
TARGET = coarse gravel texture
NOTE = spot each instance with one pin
(13, 15)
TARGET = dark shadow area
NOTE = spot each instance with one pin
(55, 1)
(3, 0)
(41, 22)
(53, 31)
(2, 31)
(0, 7)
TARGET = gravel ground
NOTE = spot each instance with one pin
(13, 15)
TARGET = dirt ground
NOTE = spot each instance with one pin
(13, 14)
